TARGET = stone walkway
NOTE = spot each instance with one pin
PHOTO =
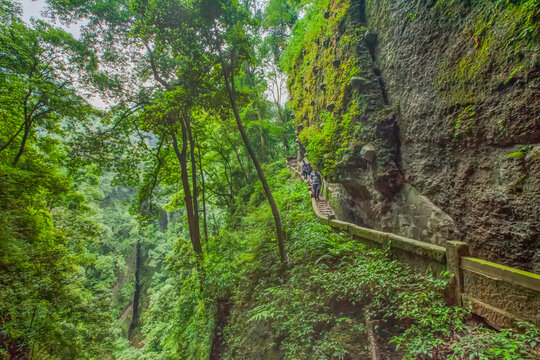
(322, 204)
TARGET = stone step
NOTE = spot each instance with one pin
(323, 206)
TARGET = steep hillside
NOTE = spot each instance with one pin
(424, 117)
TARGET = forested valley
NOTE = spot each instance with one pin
(147, 210)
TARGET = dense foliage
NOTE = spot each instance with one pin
(148, 230)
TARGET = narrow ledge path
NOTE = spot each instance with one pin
(322, 204)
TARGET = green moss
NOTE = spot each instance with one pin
(324, 55)
(500, 40)
(524, 150)
(464, 120)
(517, 154)
(512, 74)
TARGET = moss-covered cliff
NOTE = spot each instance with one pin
(425, 117)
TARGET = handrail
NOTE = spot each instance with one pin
(498, 293)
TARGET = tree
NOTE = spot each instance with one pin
(39, 69)
(223, 26)
(189, 56)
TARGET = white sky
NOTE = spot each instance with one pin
(35, 8)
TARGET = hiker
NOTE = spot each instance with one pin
(316, 181)
(306, 169)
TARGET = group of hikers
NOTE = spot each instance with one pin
(312, 176)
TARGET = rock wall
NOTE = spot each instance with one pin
(425, 118)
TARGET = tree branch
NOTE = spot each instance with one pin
(157, 77)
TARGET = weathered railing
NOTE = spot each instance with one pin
(500, 294)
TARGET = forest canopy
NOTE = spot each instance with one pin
(165, 223)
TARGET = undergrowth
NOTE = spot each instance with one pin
(318, 308)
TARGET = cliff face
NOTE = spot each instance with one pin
(425, 118)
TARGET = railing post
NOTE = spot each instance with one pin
(454, 251)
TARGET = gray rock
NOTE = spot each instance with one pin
(368, 153)
(357, 82)
(371, 38)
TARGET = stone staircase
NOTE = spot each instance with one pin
(322, 204)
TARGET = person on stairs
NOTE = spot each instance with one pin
(306, 169)
(316, 180)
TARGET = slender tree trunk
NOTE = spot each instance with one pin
(27, 125)
(229, 83)
(138, 288)
(203, 194)
(193, 176)
(216, 227)
(226, 168)
(194, 233)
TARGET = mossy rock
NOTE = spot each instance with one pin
(357, 82)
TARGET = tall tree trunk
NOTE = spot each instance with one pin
(194, 232)
(193, 176)
(203, 193)
(229, 83)
(138, 288)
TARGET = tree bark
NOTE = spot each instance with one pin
(195, 197)
(203, 194)
(138, 288)
(194, 232)
(229, 83)
(27, 125)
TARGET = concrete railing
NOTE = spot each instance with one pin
(500, 294)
